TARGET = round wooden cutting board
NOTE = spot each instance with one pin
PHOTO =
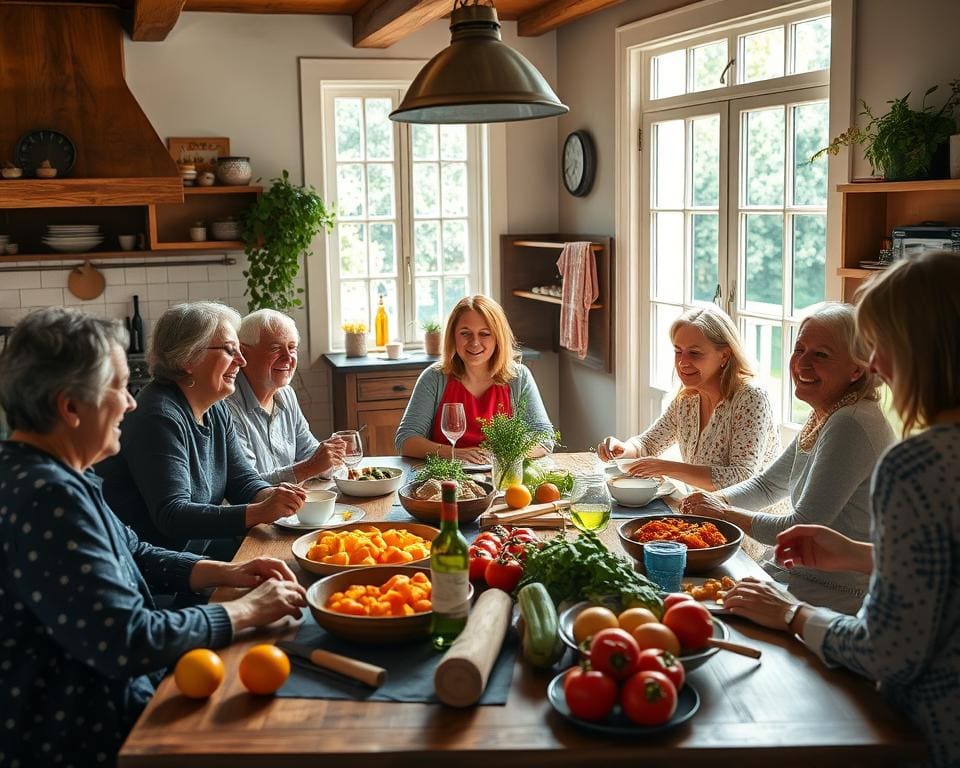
(85, 282)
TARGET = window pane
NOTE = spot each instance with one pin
(379, 129)
(426, 190)
(706, 161)
(810, 133)
(668, 256)
(668, 139)
(811, 45)
(453, 142)
(764, 342)
(387, 289)
(669, 74)
(763, 246)
(809, 260)
(426, 246)
(354, 304)
(709, 62)
(383, 257)
(454, 185)
(663, 317)
(380, 190)
(350, 191)
(454, 289)
(428, 300)
(455, 246)
(705, 241)
(424, 142)
(353, 250)
(763, 138)
(348, 127)
(762, 55)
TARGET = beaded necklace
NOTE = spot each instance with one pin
(813, 425)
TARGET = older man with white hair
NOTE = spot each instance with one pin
(265, 409)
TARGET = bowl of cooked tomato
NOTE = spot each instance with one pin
(709, 541)
(364, 545)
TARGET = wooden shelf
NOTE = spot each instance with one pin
(221, 190)
(102, 255)
(930, 185)
(202, 245)
(547, 298)
(857, 273)
(72, 193)
(549, 244)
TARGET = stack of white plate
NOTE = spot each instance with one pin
(73, 238)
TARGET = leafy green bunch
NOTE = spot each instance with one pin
(435, 466)
(430, 326)
(512, 437)
(275, 231)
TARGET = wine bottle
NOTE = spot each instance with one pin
(449, 573)
(136, 328)
(381, 325)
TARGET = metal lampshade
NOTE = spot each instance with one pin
(477, 78)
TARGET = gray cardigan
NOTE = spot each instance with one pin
(418, 418)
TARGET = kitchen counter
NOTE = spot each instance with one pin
(412, 360)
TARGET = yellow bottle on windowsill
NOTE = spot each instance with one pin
(381, 325)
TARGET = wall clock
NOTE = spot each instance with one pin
(579, 163)
(44, 144)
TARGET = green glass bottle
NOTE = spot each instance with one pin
(449, 573)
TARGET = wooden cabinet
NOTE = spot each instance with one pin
(871, 210)
(529, 261)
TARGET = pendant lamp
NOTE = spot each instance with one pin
(477, 78)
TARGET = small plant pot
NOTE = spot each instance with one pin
(355, 344)
(431, 343)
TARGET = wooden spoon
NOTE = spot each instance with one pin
(743, 650)
(86, 282)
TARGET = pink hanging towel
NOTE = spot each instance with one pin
(578, 266)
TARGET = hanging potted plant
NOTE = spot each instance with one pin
(902, 143)
(431, 337)
(275, 231)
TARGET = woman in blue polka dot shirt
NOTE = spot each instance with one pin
(904, 636)
(81, 642)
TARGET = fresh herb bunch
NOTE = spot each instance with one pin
(584, 569)
(430, 326)
(512, 437)
(437, 467)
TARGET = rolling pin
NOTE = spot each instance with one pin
(369, 674)
(462, 673)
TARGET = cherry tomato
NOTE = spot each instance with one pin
(589, 694)
(516, 549)
(648, 698)
(691, 623)
(487, 545)
(504, 573)
(673, 598)
(614, 652)
(479, 560)
(659, 660)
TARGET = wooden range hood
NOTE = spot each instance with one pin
(61, 68)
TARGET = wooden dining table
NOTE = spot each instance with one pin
(785, 709)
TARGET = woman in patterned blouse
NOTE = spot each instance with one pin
(81, 642)
(904, 636)
(722, 422)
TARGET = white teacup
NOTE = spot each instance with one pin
(127, 242)
(395, 350)
(318, 508)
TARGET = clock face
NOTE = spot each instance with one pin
(45, 145)
(578, 163)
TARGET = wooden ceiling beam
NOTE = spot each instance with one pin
(154, 19)
(381, 23)
(273, 6)
(556, 13)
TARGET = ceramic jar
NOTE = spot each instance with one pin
(355, 344)
(234, 171)
(228, 229)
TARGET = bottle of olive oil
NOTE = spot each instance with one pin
(449, 568)
(381, 325)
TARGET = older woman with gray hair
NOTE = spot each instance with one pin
(826, 470)
(180, 457)
(82, 643)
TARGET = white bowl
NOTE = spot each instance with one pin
(362, 488)
(635, 491)
(318, 508)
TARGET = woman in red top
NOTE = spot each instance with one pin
(480, 369)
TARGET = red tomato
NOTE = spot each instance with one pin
(691, 623)
(614, 652)
(479, 560)
(489, 536)
(528, 533)
(673, 598)
(486, 544)
(516, 549)
(648, 698)
(664, 662)
(504, 573)
(589, 694)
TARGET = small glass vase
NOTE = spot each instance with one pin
(505, 475)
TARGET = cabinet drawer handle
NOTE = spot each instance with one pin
(399, 387)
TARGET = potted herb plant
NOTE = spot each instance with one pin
(509, 439)
(902, 143)
(431, 337)
(275, 231)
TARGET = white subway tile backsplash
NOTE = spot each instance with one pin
(22, 279)
(236, 288)
(69, 300)
(54, 279)
(218, 272)
(191, 274)
(41, 297)
(124, 293)
(135, 275)
(156, 275)
(213, 291)
(9, 299)
(115, 276)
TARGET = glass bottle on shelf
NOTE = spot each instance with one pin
(381, 325)
(449, 567)
(136, 328)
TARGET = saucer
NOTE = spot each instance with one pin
(384, 357)
(336, 520)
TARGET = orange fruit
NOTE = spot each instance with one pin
(632, 618)
(591, 620)
(517, 496)
(656, 635)
(264, 668)
(198, 673)
(546, 492)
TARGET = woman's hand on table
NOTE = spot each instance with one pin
(704, 504)
(760, 601)
(274, 503)
(610, 448)
(472, 455)
(654, 468)
(251, 573)
(272, 600)
(816, 546)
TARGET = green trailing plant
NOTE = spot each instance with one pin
(276, 230)
(902, 143)
(510, 438)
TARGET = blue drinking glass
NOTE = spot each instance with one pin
(664, 562)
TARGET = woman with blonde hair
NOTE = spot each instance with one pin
(479, 368)
(721, 420)
(904, 636)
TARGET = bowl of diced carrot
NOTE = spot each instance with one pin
(374, 605)
(364, 545)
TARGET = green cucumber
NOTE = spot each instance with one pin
(541, 644)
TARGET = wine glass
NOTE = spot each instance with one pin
(353, 447)
(590, 503)
(453, 423)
